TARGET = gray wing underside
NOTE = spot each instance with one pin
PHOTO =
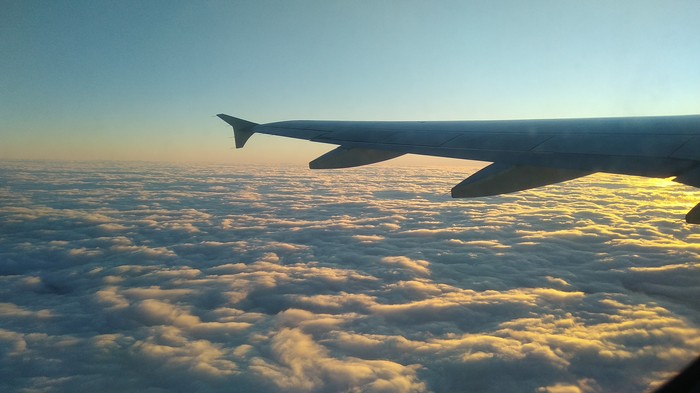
(525, 153)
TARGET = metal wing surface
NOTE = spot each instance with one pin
(525, 153)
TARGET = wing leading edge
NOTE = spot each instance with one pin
(525, 153)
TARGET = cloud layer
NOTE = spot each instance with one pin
(160, 278)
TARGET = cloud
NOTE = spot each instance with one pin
(419, 267)
(12, 311)
(368, 238)
(560, 388)
(302, 365)
(170, 352)
(127, 277)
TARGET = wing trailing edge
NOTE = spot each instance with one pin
(498, 179)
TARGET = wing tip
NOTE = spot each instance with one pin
(242, 129)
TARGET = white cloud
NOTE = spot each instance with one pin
(419, 266)
(13, 311)
(300, 364)
(204, 278)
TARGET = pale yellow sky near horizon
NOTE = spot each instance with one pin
(211, 147)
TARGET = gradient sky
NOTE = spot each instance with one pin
(132, 80)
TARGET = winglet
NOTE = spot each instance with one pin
(242, 129)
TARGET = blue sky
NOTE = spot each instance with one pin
(142, 81)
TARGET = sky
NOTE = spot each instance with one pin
(130, 80)
(126, 277)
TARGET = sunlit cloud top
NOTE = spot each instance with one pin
(180, 278)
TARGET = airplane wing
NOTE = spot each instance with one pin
(525, 153)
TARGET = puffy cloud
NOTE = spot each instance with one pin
(300, 364)
(145, 250)
(368, 238)
(560, 388)
(124, 277)
(112, 227)
(9, 310)
(419, 267)
(170, 352)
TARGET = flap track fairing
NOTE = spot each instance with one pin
(498, 179)
(348, 157)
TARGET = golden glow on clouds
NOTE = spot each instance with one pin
(371, 279)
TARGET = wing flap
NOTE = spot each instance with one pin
(498, 179)
(346, 157)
